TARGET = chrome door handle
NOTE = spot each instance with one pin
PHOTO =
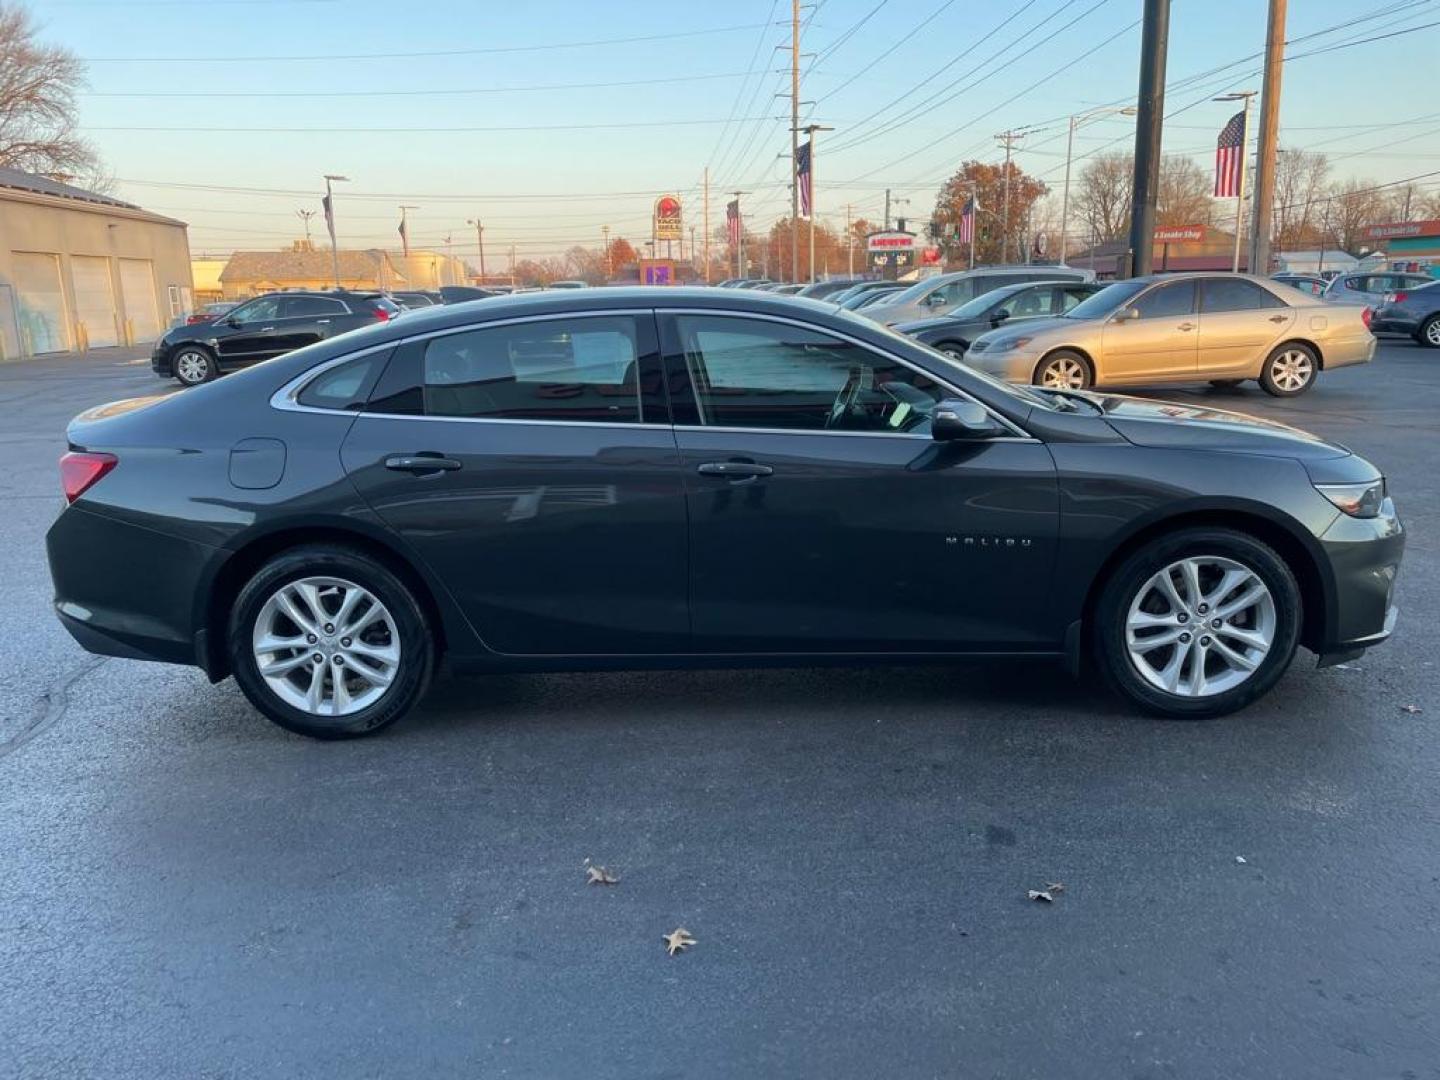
(734, 470)
(266, 329)
(418, 463)
(322, 322)
(1186, 326)
(1279, 318)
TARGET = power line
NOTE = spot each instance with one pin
(619, 125)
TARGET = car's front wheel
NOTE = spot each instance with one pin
(1063, 370)
(194, 365)
(328, 642)
(953, 349)
(1198, 623)
(1430, 332)
(1289, 370)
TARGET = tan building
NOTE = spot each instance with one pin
(84, 271)
(431, 269)
(206, 273)
(250, 273)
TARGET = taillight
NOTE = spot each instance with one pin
(383, 314)
(1365, 316)
(79, 472)
(1398, 298)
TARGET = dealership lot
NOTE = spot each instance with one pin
(184, 889)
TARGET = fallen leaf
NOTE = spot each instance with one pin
(1411, 709)
(1041, 894)
(1055, 887)
(598, 875)
(677, 941)
(1240, 859)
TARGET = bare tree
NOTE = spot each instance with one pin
(1300, 179)
(1103, 198)
(1354, 206)
(1183, 197)
(38, 84)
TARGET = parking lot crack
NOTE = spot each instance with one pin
(56, 700)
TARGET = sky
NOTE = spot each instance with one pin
(551, 119)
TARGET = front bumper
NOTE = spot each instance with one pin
(160, 361)
(1364, 556)
(1015, 365)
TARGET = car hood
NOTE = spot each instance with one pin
(1172, 425)
(1030, 327)
(914, 326)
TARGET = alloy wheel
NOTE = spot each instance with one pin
(1200, 626)
(1063, 373)
(326, 646)
(1292, 369)
(1432, 332)
(192, 367)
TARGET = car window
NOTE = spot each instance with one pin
(345, 386)
(1029, 303)
(266, 307)
(1070, 298)
(582, 370)
(1236, 294)
(296, 307)
(751, 373)
(1167, 301)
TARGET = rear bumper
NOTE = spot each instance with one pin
(1364, 555)
(124, 590)
(1393, 324)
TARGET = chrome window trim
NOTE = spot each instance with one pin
(859, 342)
(285, 398)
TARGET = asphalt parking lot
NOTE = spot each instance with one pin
(188, 891)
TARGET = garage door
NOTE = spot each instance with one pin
(137, 289)
(94, 300)
(40, 303)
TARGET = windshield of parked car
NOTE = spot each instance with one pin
(909, 295)
(1106, 300)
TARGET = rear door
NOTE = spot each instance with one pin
(305, 320)
(1161, 344)
(532, 466)
(247, 334)
(1239, 322)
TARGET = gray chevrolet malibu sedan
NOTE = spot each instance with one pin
(666, 478)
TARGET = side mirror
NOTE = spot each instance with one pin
(232, 322)
(1126, 314)
(935, 299)
(955, 418)
(1000, 316)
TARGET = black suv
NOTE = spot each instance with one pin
(264, 327)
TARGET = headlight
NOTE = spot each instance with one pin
(1357, 500)
(1010, 344)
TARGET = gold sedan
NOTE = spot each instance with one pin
(1170, 328)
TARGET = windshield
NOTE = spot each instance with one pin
(973, 309)
(1023, 393)
(1106, 300)
(910, 295)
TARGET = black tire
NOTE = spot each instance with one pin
(415, 638)
(1225, 384)
(1429, 333)
(199, 365)
(1273, 377)
(1109, 636)
(952, 349)
(1065, 361)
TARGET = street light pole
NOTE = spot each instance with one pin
(1077, 121)
(480, 240)
(330, 223)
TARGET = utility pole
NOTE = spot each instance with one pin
(692, 248)
(1008, 139)
(1245, 96)
(1269, 134)
(794, 139)
(707, 227)
(739, 235)
(480, 240)
(810, 131)
(1150, 103)
(405, 231)
(886, 227)
(849, 243)
(449, 259)
(605, 246)
(305, 216)
(330, 223)
(512, 267)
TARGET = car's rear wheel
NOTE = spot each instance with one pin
(328, 642)
(1430, 332)
(1289, 370)
(953, 349)
(1198, 623)
(1063, 370)
(194, 365)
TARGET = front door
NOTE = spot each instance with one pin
(823, 518)
(1239, 321)
(246, 334)
(1161, 343)
(532, 467)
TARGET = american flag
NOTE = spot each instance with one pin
(802, 177)
(1230, 157)
(967, 221)
(732, 221)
